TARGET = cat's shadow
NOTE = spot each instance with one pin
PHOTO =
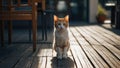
(63, 63)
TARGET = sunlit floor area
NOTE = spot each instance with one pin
(91, 46)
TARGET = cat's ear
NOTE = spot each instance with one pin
(55, 18)
(66, 18)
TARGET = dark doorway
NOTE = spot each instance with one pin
(79, 10)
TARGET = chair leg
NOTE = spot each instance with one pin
(34, 27)
(2, 33)
(9, 32)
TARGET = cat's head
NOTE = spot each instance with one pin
(61, 23)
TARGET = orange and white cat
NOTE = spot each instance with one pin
(61, 36)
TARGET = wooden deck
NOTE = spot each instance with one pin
(91, 46)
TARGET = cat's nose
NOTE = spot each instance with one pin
(62, 27)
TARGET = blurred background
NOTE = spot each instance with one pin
(80, 11)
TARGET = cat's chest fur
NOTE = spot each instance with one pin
(61, 38)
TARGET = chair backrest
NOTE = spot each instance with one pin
(8, 4)
(9, 9)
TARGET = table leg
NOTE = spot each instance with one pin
(42, 20)
(45, 25)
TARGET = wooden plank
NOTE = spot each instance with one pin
(49, 57)
(109, 56)
(27, 60)
(78, 64)
(39, 62)
(15, 51)
(49, 62)
(111, 47)
(112, 61)
(40, 59)
(80, 38)
(92, 57)
(90, 39)
(24, 59)
(113, 32)
(35, 62)
(13, 57)
(112, 36)
(72, 58)
(76, 50)
(44, 56)
(95, 52)
(110, 32)
(42, 62)
(18, 17)
(86, 64)
(104, 36)
(92, 53)
(8, 50)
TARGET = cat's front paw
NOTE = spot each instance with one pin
(65, 56)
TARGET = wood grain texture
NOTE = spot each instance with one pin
(90, 47)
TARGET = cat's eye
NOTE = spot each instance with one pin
(58, 23)
(63, 23)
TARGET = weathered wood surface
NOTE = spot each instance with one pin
(90, 47)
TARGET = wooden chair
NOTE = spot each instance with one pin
(8, 12)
